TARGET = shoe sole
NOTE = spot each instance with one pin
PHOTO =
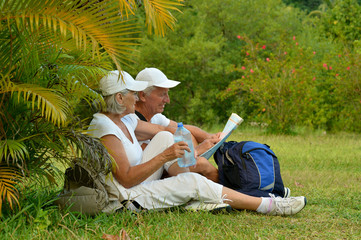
(227, 209)
(213, 208)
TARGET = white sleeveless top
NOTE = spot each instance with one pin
(101, 126)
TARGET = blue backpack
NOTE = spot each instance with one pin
(249, 167)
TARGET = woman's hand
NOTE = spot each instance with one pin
(175, 151)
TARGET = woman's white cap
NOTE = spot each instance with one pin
(155, 77)
(113, 83)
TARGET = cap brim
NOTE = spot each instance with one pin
(167, 84)
(137, 86)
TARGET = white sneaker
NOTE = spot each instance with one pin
(286, 206)
(213, 207)
(287, 193)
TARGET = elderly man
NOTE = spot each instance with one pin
(150, 106)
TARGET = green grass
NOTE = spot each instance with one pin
(324, 168)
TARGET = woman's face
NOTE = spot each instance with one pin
(129, 100)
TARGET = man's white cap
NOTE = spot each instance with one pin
(113, 83)
(155, 77)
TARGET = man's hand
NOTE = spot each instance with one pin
(216, 136)
(205, 145)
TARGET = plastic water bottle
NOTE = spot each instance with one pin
(182, 134)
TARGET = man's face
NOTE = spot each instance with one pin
(156, 100)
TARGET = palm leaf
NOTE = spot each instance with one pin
(9, 177)
(82, 20)
(81, 67)
(80, 76)
(12, 150)
(89, 150)
(53, 107)
(158, 14)
(128, 7)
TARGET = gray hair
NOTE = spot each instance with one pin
(149, 90)
(112, 104)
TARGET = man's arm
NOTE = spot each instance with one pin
(146, 130)
(199, 134)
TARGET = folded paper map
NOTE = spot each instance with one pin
(232, 123)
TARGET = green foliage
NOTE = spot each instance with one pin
(288, 85)
(206, 54)
(204, 46)
(275, 85)
(342, 21)
(347, 90)
(307, 5)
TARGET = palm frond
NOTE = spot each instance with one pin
(90, 151)
(12, 151)
(158, 15)
(95, 23)
(80, 76)
(53, 107)
(10, 48)
(84, 92)
(5, 83)
(80, 66)
(9, 178)
(128, 6)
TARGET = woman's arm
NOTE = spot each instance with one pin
(129, 176)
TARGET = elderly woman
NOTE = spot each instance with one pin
(137, 174)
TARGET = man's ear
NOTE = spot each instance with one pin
(141, 96)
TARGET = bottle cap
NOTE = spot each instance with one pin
(180, 124)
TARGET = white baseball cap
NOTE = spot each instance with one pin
(112, 83)
(155, 77)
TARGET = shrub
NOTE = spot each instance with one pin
(286, 85)
(342, 21)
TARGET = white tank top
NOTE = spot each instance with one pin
(101, 126)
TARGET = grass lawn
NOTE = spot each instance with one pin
(325, 168)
